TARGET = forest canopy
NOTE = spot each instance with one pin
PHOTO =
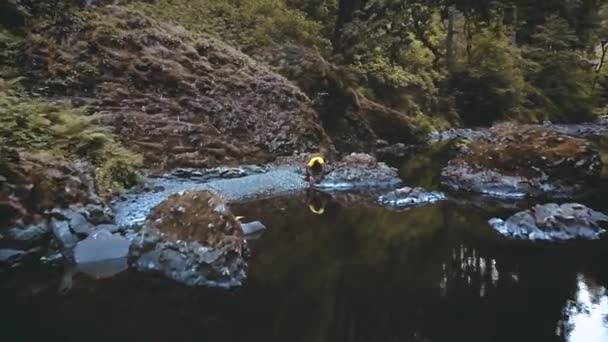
(457, 61)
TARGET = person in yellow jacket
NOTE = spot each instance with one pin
(315, 170)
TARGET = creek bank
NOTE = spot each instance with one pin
(516, 161)
(581, 130)
(46, 204)
(553, 222)
(285, 176)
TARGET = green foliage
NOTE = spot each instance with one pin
(321, 11)
(491, 84)
(379, 70)
(246, 23)
(565, 75)
(9, 46)
(393, 55)
(38, 125)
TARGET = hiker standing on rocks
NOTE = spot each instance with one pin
(315, 170)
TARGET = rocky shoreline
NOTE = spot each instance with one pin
(86, 230)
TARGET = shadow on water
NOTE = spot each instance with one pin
(355, 272)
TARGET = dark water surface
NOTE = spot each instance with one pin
(356, 272)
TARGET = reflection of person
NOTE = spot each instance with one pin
(315, 170)
(316, 201)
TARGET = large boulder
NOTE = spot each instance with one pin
(359, 170)
(185, 100)
(553, 222)
(521, 161)
(194, 239)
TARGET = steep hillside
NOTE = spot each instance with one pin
(182, 99)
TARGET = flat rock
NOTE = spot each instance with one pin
(407, 196)
(30, 234)
(553, 222)
(101, 246)
(252, 229)
(359, 170)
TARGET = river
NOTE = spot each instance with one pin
(345, 270)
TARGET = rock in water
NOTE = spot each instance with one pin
(519, 161)
(359, 170)
(553, 222)
(253, 230)
(407, 196)
(103, 269)
(101, 246)
(194, 239)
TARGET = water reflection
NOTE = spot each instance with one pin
(586, 316)
(478, 272)
(355, 273)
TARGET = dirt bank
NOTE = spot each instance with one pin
(183, 100)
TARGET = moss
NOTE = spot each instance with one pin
(530, 151)
(429, 124)
(67, 133)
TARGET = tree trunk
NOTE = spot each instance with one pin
(603, 52)
(451, 38)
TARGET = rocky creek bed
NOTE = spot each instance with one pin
(179, 223)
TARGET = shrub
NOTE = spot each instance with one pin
(65, 132)
(245, 23)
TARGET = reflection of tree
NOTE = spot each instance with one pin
(586, 314)
(358, 274)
